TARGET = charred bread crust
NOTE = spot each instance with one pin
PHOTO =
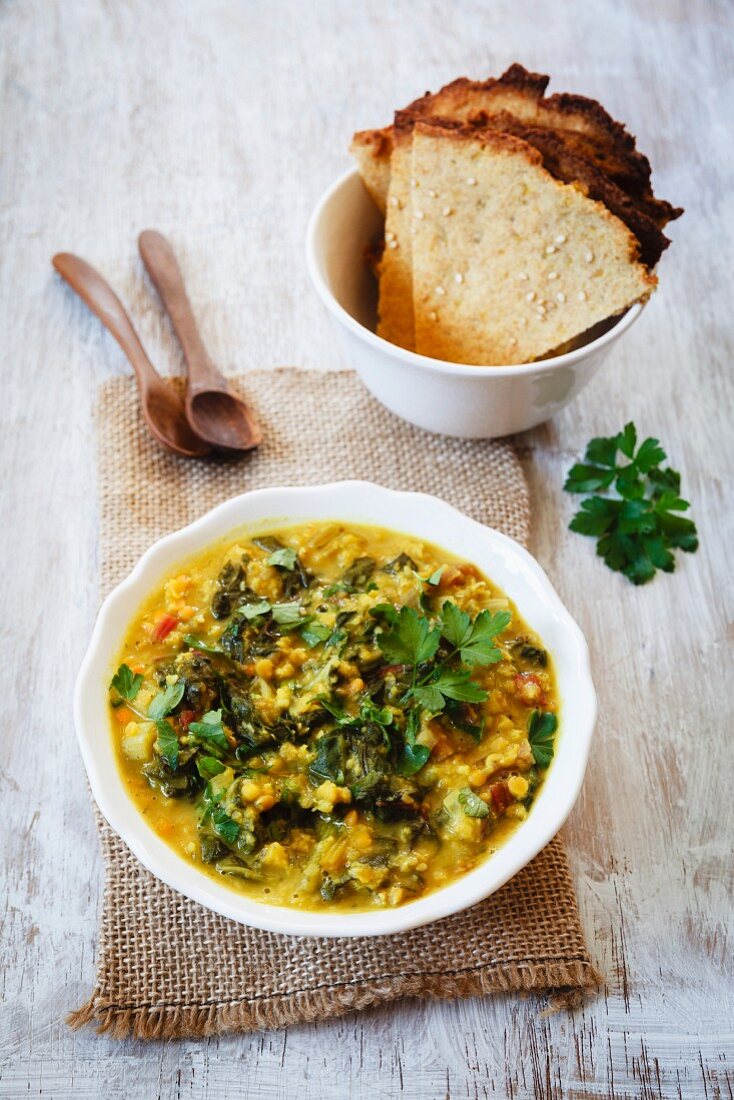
(516, 77)
(514, 144)
(596, 135)
(571, 167)
(379, 142)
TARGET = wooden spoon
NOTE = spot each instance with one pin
(214, 412)
(163, 409)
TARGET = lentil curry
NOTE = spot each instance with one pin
(332, 716)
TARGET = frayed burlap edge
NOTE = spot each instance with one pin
(169, 1022)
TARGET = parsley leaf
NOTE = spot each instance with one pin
(167, 743)
(224, 826)
(126, 683)
(413, 756)
(637, 529)
(472, 804)
(210, 729)
(289, 614)
(411, 640)
(479, 649)
(449, 684)
(313, 633)
(455, 624)
(254, 610)
(166, 700)
(541, 727)
(284, 558)
(208, 766)
(384, 611)
(474, 640)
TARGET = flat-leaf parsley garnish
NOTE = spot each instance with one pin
(541, 727)
(637, 529)
(472, 804)
(440, 656)
(126, 683)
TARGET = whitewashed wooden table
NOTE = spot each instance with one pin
(220, 123)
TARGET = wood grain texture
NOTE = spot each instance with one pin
(220, 123)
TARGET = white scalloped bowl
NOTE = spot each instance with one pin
(502, 559)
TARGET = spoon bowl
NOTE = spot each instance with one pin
(215, 413)
(163, 409)
(218, 414)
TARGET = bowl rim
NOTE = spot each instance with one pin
(330, 501)
(425, 362)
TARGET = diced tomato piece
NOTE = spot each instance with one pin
(186, 717)
(163, 627)
(501, 797)
(457, 574)
(530, 689)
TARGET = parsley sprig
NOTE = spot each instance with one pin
(637, 529)
(440, 654)
(413, 640)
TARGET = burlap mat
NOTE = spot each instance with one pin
(168, 967)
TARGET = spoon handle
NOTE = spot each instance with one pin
(161, 265)
(97, 293)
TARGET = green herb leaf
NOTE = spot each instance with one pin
(126, 683)
(208, 766)
(254, 610)
(448, 684)
(479, 648)
(368, 712)
(313, 633)
(384, 611)
(584, 478)
(627, 439)
(166, 700)
(224, 826)
(649, 456)
(455, 624)
(472, 804)
(289, 614)
(210, 729)
(413, 757)
(637, 530)
(411, 640)
(283, 558)
(602, 451)
(541, 727)
(167, 743)
(474, 640)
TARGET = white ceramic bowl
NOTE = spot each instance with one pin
(504, 561)
(471, 402)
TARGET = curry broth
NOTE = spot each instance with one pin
(305, 759)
